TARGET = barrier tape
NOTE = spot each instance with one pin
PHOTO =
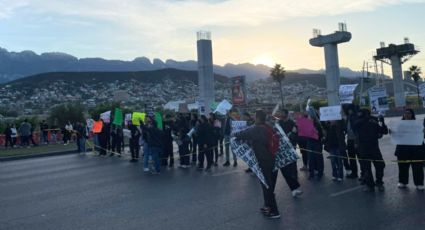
(310, 151)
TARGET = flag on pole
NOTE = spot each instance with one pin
(118, 119)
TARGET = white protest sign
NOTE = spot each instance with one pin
(330, 113)
(127, 118)
(238, 126)
(378, 99)
(346, 93)
(106, 116)
(244, 152)
(223, 107)
(407, 132)
(276, 108)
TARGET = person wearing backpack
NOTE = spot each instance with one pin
(258, 135)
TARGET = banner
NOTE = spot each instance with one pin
(330, 113)
(378, 99)
(238, 126)
(223, 107)
(422, 93)
(346, 93)
(244, 152)
(97, 127)
(286, 154)
(407, 132)
(106, 116)
(118, 119)
(238, 90)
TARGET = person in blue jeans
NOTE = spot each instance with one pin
(335, 145)
(154, 140)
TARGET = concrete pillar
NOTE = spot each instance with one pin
(205, 72)
(332, 73)
(399, 96)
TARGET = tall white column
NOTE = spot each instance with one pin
(332, 73)
(399, 96)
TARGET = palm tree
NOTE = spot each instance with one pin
(278, 75)
(416, 72)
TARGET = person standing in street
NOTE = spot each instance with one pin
(227, 130)
(205, 132)
(258, 136)
(368, 131)
(410, 156)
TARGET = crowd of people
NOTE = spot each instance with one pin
(352, 144)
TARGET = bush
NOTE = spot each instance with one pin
(61, 114)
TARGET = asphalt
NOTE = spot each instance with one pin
(91, 192)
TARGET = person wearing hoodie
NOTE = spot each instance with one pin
(369, 130)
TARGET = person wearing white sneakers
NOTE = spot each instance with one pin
(406, 153)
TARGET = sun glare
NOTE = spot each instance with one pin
(264, 60)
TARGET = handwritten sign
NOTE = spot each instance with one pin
(330, 113)
(346, 93)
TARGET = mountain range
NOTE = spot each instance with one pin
(15, 65)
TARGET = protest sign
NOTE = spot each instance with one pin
(407, 132)
(127, 118)
(158, 119)
(306, 128)
(137, 117)
(286, 154)
(90, 123)
(97, 127)
(346, 93)
(223, 107)
(106, 116)
(330, 113)
(378, 99)
(118, 119)
(244, 152)
(238, 126)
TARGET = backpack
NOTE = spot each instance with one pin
(273, 140)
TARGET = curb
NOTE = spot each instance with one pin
(13, 158)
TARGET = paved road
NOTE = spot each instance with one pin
(89, 192)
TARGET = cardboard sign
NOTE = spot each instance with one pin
(223, 107)
(346, 93)
(378, 99)
(330, 113)
(106, 116)
(407, 132)
(238, 126)
(97, 127)
(306, 128)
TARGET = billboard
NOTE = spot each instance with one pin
(238, 90)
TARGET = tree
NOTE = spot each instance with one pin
(416, 72)
(278, 75)
(61, 114)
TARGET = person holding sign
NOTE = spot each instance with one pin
(368, 131)
(406, 153)
(258, 136)
(335, 145)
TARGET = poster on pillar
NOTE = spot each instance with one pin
(201, 106)
(378, 99)
(238, 90)
(346, 93)
(422, 93)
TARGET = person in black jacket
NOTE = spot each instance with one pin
(257, 135)
(227, 130)
(168, 143)
(335, 145)
(8, 135)
(216, 124)
(410, 153)
(368, 131)
(205, 132)
(134, 142)
(193, 125)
